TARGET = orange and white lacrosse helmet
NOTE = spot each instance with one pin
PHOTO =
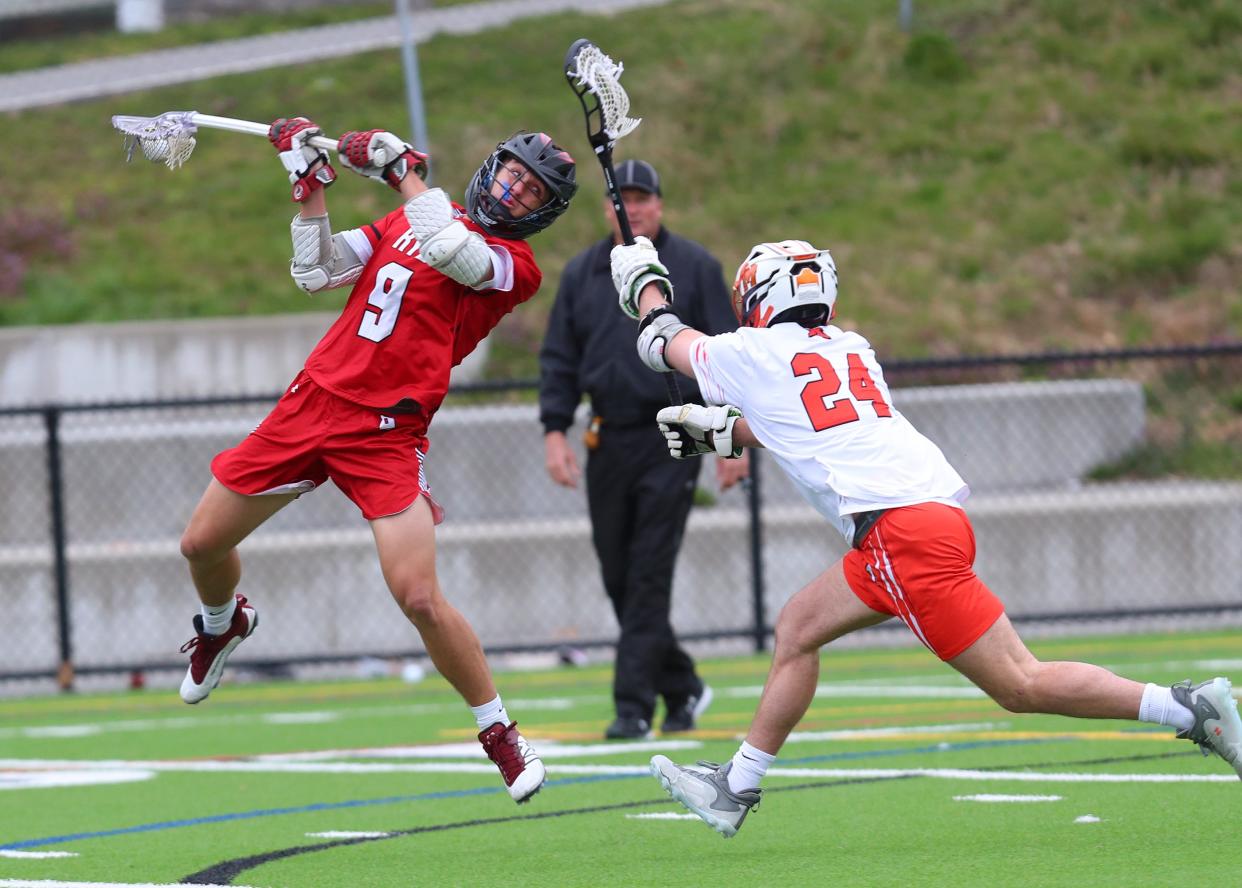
(786, 281)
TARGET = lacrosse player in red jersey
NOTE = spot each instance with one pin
(429, 281)
(814, 396)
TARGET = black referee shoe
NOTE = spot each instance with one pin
(628, 728)
(685, 716)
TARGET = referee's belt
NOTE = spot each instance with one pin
(863, 522)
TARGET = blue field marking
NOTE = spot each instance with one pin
(487, 790)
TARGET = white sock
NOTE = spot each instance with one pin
(489, 713)
(1159, 708)
(749, 766)
(216, 620)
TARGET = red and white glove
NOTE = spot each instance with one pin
(378, 154)
(307, 165)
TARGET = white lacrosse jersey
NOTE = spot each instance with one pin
(817, 401)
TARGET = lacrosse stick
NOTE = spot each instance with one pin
(592, 74)
(169, 138)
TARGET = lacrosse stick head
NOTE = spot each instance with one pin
(167, 139)
(596, 80)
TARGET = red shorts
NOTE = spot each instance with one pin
(376, 459)
(917, 563)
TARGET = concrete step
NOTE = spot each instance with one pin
(1111, 546)
(134, 475)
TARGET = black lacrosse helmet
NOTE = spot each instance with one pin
(543, 157)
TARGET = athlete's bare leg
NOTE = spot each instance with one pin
(823, 610)
(221, 520)
(1002, 666)
(407, 553)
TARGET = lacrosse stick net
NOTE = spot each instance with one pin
(596, 81)
(592, 73)
(168, 138)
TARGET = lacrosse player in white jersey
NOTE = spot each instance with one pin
(814, 396)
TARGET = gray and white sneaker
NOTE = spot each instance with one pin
(1217, 727)
(707, 794)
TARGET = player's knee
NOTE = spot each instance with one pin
(421, 602)
(791, 637)
(1017, 696)
(199, 548)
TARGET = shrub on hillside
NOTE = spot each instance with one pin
(24, 236)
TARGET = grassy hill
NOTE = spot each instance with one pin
(1008, 176)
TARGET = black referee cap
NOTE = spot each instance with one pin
(638, 174)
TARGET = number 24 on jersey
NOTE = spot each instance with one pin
(819, 396)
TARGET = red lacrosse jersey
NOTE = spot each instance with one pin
(406, 325)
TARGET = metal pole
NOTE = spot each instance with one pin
(906, 14)
(759, 629)
(413, 83)
(60, 566)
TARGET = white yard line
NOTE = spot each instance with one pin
(865, 690)
(186, 722)
(1000, 776)
(19, 765)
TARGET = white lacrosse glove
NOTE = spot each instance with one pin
(693, 429)
(308, 167)
(379, 155)
(634, 266)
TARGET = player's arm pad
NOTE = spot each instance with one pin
(321, 260)
(458, 253)
(445, 243)
(655, 332)
(429, 212)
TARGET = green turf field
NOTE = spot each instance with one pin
(900, 775)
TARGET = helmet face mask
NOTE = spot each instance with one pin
(542, 158)
(786, 281)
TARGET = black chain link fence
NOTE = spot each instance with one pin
(1104, 485)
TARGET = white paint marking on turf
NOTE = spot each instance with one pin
(300, 718)
(39, 778)
(401, 710)
(1022, 776)
(56, 883)
(207, 767)
(547, 750)
(1087, 818)
(608, 770)
(34, 855)
(61, 731)
(893, 691)
(347, 834)
(662, 815)
(993, 797)
(555, 703)
(863, 733)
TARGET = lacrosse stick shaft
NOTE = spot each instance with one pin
(591, 73)
(255, 129)
(627, 237)
(614, 194)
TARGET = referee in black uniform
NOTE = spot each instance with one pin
(638, 496)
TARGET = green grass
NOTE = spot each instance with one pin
(847, 825)
(1006, 178)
